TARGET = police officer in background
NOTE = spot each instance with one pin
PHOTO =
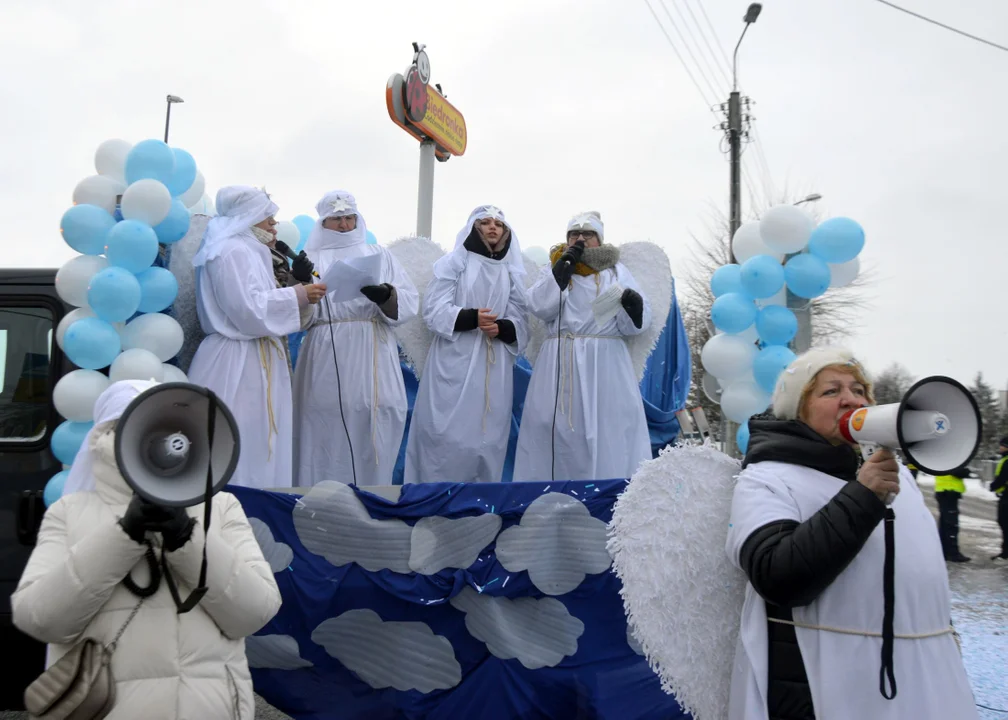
(948, 489)
(998, 488)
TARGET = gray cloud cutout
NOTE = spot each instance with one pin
(558, 542)
(537, 632)
(632, 642)
(401, 655)
(439, 542)
(279, 555)
(276, 652)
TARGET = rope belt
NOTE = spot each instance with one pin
(266, 345)
(567, 371)
(379, 336)
(491, 360)
(869, 633)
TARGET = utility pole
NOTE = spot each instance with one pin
(801, 307)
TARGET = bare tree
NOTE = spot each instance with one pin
(892, 383)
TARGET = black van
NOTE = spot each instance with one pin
(30, 365)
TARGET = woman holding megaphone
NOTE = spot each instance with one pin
(845, 604)
(92, 590)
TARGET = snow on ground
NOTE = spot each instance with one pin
(975, 488)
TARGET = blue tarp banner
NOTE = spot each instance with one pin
(530, 624)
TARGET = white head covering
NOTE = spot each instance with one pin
(239, 207)
(590, 220)
(109, 407)
(796, 377)
(338, 203)
(514, 256)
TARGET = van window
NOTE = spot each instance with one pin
(25, 349)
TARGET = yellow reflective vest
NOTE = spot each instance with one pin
(945, 483)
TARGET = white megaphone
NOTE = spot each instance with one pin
(936, 425)
(176, 444)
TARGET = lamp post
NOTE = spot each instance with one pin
(800, 306)
(171, 99)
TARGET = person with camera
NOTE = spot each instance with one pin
(348, 384)
(94, 575)
(584, 368)
(475, 306)
(847, 609)
(246, 318)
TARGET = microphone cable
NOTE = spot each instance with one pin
(556, 399)
(339, 388)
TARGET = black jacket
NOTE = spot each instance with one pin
(789, 564)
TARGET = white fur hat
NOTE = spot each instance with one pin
(802, 371)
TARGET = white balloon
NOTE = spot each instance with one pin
(75, 394)
(289, 233)
(192, 196)
(843, 274)
(156, 332)
(136, 364)
(750, 334)
(743, 399)
(73, 278)
(110, 159)
(146, 200)
(727, 357)
(778, 298)
(538, 255)
(100, 190)
(711, 387)
(173, 374)
(786, 228)
(69, 319)
(748, 243)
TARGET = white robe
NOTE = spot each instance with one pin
(246, 318)
(843, 670)
(601, 432)
(462, 415)
(370, 380)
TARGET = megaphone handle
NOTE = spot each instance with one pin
(867, 450)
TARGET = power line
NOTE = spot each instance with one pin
(679, 55)
(943, 25)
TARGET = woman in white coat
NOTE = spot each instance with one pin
(475, 306)
(166, 665)
(348, 367)
(847, 610)
(584, 420)
(247, 319)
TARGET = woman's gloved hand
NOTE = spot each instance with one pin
(302, 268)
(142, 516)
(633, 303)
(378, 294)
(563, 268)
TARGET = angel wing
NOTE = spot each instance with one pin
(536, 327)
(650, 267)
(682, 596)
(184, 308)
(417, 256)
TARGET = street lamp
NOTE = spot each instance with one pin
(171, 99)
(750, 17)
(814, 197)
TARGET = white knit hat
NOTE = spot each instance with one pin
(801, 373)
(591, 220)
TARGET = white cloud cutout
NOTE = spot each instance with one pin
(400, 655)
(276, 652)
(439, 542)
(279, 555)
(557, 541)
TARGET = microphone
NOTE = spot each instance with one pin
(285, 249)
(567, 262)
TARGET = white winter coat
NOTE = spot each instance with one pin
(166, 666)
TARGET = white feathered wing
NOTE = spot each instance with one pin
(682, 596)
(184, 308)
(417, 256)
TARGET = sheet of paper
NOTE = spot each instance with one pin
(606, 305)
(345, 278)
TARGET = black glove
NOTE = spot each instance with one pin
(633, 303)
(302, 268)
(563, 268)
(378, 294)
(174, 524)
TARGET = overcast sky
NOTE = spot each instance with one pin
(570, 105)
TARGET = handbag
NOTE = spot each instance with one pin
(78, 686)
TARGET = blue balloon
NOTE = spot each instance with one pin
(769, 364)
(762, 276)
(131, 244)
(91, 343)
(837, 240)
(175, 226)
(371, 239)
(776, 325)
(158, 289)
(67, 439)
(114, 294)
(742, 437)
(726, 279)
(305, 225)
(84, 228)
(54, 488)
(184, 174)
(150, 159)
(733, 312)
(807, 276)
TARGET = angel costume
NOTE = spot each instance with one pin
(600, 431)
(462, 415)
(363, 384)
(246, 318)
